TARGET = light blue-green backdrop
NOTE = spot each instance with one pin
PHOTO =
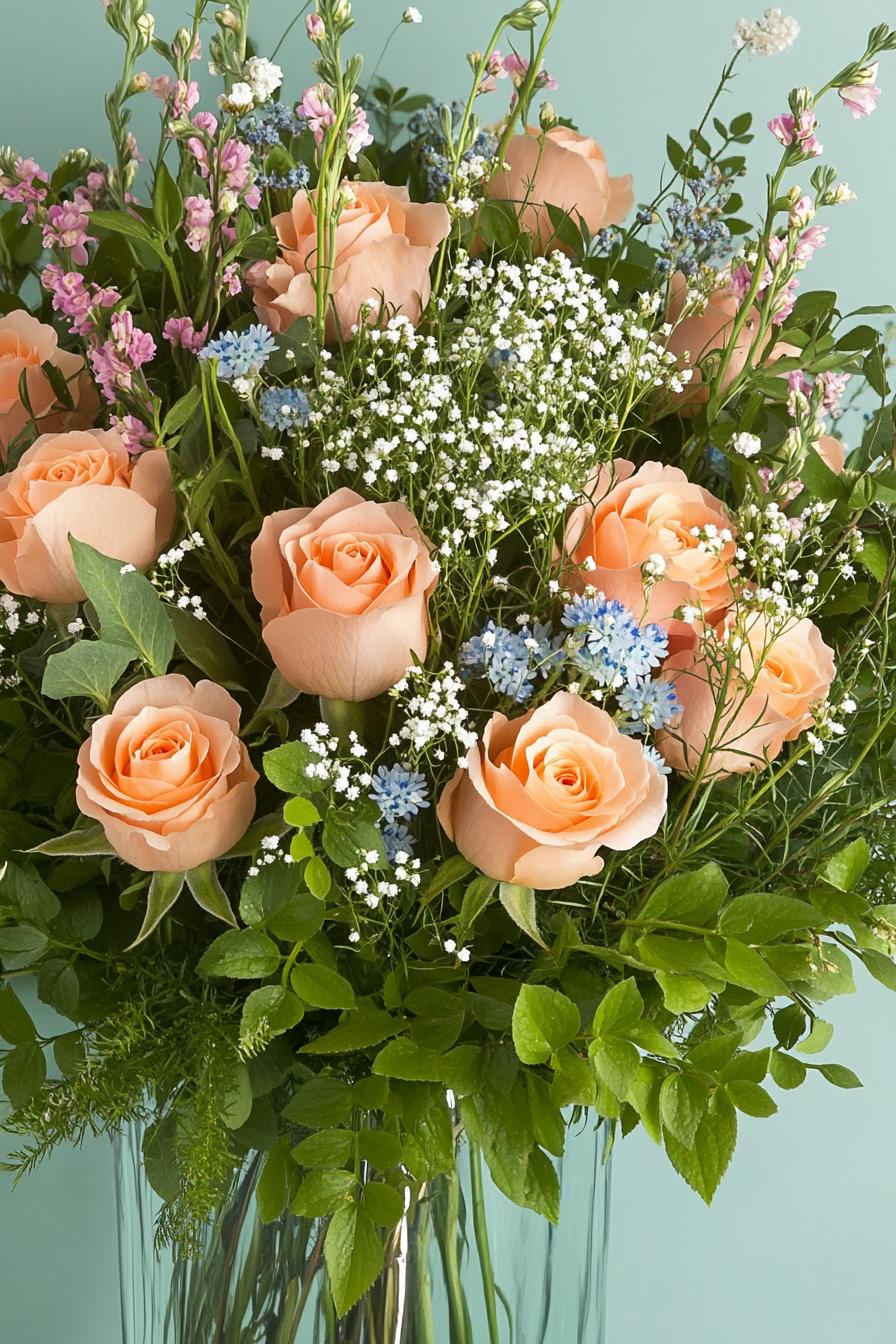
(799, 1244)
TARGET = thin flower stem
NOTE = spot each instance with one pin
(480, 1228)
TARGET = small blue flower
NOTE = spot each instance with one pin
(657, 761)
(500, 358)
(609, 645)
(397, 839)
(241, 354)
(284, 408)
(649, 704)
(399, 793)
(294, 179)
(511, 659)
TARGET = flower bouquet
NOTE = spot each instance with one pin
(448, 680)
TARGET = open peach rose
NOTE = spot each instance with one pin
(344, 591)
(384, 246)
(632, 514)
(563, 168)
(26, 344)
(541, 794)
(82, 483)
(771, 685)
(166, 776)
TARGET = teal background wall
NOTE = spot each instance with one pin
(798, 1246)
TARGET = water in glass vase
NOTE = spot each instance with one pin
(466, 1266)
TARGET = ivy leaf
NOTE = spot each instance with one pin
(519, 902)
(240, 954)
(705, 1161)
(89, 668)
(353, 1253)
(544, 1021)
(164, 890)
(209, 894)
(130, 610)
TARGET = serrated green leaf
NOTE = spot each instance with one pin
(326, 1148)
(353, 1253)
(619, 1009)
(320, 1102)
(683, 993)
(321, 987)
(616, 1063)
(839, 1075)
(544, 1021)
(131, 613)
(683, 1102)
(359, 1031)
(16, 1026)
(240, 954)
(750, 1098)
(844, 868)
(24, 1072)
(786, 1071)
(405, 1059)
(323, 1192)
(268, 1012)
(704, 1162)
(382, 1203)
(762, 917)
(688, 898)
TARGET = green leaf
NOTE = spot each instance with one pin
(819, 1038)
(321, 987)
(24, 891)
(240, 954)
(616, 1063)
(380, 1148)
(750, 1098)
(683, 1103)
(21, 946)
(744, 966)
(477, 897)
(272, 1190)
(298, 919)
(683, 993)
(206, 648)
(69, 1053)
(317, 876)
(705, 1161)
(405, 1059)
(268, 1012)
(235, 1097)
(845, 868)
(519, 902)
(85, 842)
(353, 1254)
(319, 1102)
(58, 986)
(762, 917)
(181, 413)
(439, 1016)
(786, 1071)
(542, 1189)
(300, 812)
(454, 869)
(16, 1026)
(119, 221)
(574, 1081)
(167, 202)
(620, 1008)
(160, 1157)
(346, 836)
(881, 967)
(89, 668)
(688, 898)
(24, 1073)
(839, 1075)
(326, 1148)
(647, 1036)
(164, 890)
(358, 1032)
(209, 894)
(322, 1192)
(548, 1127)
(130, 610)
(544, 1021)
(382, 1203)
(286, 768)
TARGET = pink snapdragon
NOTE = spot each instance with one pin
(27, 186)
(861, 97)
(799, 131)
(77, 301)
(135, 434)
(359, 136)
(198, 216)
(317, 109)
(117, 360)
(181, 332)
(66, 228)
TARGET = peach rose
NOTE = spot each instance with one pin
(26, 344)
(632, 515)
(166, 776)
(541, 794)
(832, 453)
(562, 168)
(83, 483)
(344, 591)
(384, 246)
(773, 687)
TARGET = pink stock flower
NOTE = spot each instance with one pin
(116, 360)
(182, 95)
(809, 242)
(206, 122)
(834, 385)
(861, 98)
(495, 69)
(359, 136)
(198, 216)
(799, 132)
(160, 86)
(66, 228)
(27, 186)
(799, 389)
(75, 299)
(181, 331)
(316, 107)
(135, 434)
(314, 27)
(179, 48)
(517, 67)
(232, 280)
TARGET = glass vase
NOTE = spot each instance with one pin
(466, 1266)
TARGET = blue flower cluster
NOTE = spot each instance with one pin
(609, 645)
(397, 839)
(425, 126)
(284, 408)
(241, 354)
(269, 123)
(697, 233)
(511, 659)
(293, 180)
(649, 705)
(399, 793)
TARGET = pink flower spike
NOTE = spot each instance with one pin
(317, 110)
(135, 435)
(231, 280)
(809, 242)
(359, 136)
(834, 385)
(180, 331)
(861, 99)
(198, 216)
(27, 186)
(66, 230)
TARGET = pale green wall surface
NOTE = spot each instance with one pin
(798, 1246)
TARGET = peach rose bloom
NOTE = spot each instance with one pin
(167, 777)
(632, 514)
(344, 590)
(832, 453)
(84, 483)
(563, 168)
(540, 794)
(26, 344)
(775, 683)
(385, 243)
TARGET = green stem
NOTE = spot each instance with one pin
(459, 1333)
(481, 1230)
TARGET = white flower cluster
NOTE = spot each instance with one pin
(270, 852)
(12, 611)
(433, 715)
(170, 584)
(373, 888)
(344, 777)
(469, 183)
(769, 35)
(786, 557)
